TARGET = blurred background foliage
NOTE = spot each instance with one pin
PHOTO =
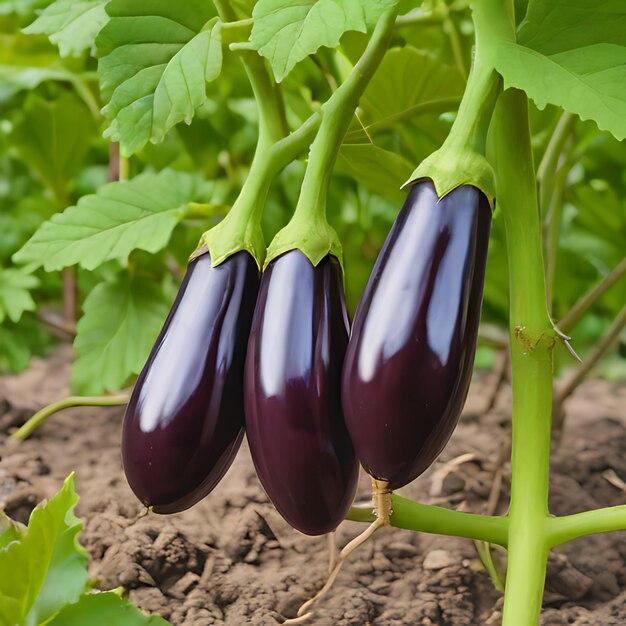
(52, 153)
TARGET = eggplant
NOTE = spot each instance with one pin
(409, 362)
(185, 421)
(294, 422)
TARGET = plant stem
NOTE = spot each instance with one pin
(591, 360)
(552, 228)
(336, 117)
(417, 17)
(437, 520)
(532, 341)
(41, 416)
(547, 169)
(308, 230)
(569, 527)
(566, 324)
(461, 158)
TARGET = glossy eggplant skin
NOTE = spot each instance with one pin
(409, 361)
(185, 421)
(294, 422)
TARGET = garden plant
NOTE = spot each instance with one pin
(351, 338)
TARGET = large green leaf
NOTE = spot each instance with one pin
(52, 137)
(121, 217)
(98, 609)
(572, 53)
(71, 24)
(156, 59)
(121, 321)
(286, 32)
(44, 568)
(15, 298)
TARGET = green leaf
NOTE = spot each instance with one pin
(97, 609)
(45, 568)
(121, 217)
(285, 32)
(52, 137)
(381, 171)
(121, 320)
(15, 298)
(571, 53)
(156, 60)
(71, 24)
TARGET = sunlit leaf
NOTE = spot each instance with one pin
(286, 32)
(121, 217)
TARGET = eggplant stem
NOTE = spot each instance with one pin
(381, 498)
(332, 551)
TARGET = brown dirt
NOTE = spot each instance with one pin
(232, 560)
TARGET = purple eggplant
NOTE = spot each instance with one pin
(185, 420)
(294, 422)
(409, 361)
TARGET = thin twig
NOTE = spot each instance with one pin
(73, 401)
(591, 360)
(587, 300)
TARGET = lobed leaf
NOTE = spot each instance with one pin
(121, 320)
(121, 217)
(571, 53)
(156, 60)
(71, 24)
(286, 32)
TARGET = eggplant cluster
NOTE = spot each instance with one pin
(273, 355)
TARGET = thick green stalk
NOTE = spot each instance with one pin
(241, 228)
(308, 229)
(461, 160)
(336, 117)
(427, 518)
(532, 344)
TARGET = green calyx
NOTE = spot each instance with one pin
(231, 236)
(449, 169)
(313, 236)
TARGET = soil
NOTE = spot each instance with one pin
(231, 560)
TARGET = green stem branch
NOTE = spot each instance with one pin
(569, 527)
(308, 230)
(567, 388)
(461, 160)
(437, 520)
(547, 169)
(41, 416)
